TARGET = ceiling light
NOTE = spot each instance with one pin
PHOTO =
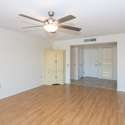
(51, 25)
(51, 28)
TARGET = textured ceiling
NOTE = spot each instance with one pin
(96, 17)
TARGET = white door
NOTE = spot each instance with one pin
(107, 63)
(54, 66)
(50, 66)
(75, 63)
(91, 62)
(81, 66)
(60, 67)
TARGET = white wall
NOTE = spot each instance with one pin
(121, 63)
(21, 62)
(119, 38)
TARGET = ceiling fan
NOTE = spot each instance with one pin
(51, 24)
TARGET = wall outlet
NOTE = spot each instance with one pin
(0, 85)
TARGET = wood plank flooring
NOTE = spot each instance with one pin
(64, 105)
(95, 82)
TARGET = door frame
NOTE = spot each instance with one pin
(68, 59)
(55, 61)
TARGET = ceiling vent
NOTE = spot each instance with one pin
(90, 40)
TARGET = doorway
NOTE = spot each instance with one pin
(54, 66)
(94, 64)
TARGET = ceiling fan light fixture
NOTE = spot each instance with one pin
(51, 28)
(51, 25)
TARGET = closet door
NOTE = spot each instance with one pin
(60, 67)
(107, 63)
(50, 66)
(81, 66)
(90, 62)
(74, 63)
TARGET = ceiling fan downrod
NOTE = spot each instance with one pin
(51, 13)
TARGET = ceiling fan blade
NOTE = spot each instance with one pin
(71, 28)
(28, 27)
(66, 18)
(32, 18)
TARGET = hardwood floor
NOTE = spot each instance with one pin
(95, 82)
(64, 105)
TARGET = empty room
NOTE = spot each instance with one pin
(62, 62)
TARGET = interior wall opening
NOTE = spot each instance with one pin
(94, 65)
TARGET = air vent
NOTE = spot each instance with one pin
(90, 40)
